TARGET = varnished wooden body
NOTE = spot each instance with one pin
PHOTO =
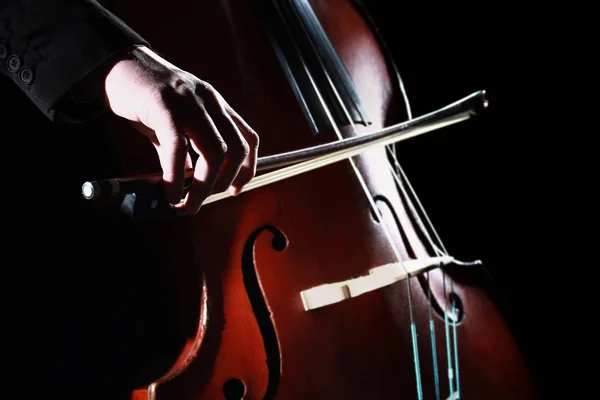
(242, 262)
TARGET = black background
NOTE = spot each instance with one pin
(490, 184)
(484, 182)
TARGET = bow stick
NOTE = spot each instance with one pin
(300, 161)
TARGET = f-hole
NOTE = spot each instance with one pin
(261, 311)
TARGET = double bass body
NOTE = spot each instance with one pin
(242, 262)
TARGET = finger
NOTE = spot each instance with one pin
(151, 135)
(172, 152)
(248, 168)
(143, 129)
(189, 165)
(237, 147)
(211, 149)
(188, 161)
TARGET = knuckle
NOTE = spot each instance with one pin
(245, 149)
(180, 83)
(241, 150)
(204, 88)
(219, 151)
(251, 137)
(167, 94)
(254, 139)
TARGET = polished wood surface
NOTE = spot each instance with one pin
(241, 263)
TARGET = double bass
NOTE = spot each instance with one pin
(328, 284)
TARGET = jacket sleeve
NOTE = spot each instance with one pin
(47, 47)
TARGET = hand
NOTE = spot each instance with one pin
(166, 103)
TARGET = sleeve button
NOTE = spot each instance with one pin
(26, 75)
(13, 63)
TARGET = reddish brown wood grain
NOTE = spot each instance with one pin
(268, 245)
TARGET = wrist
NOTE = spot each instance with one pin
(111, 70)
(92, 87)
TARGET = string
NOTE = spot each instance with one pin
(439, 252)
(375, 209)
(431, 321)
(455, 345)
(451, 341)
(392, 150)
(448, 348)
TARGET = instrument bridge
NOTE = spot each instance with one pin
(387, 274)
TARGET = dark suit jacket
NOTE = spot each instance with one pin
(48, 46)
(85, 315)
